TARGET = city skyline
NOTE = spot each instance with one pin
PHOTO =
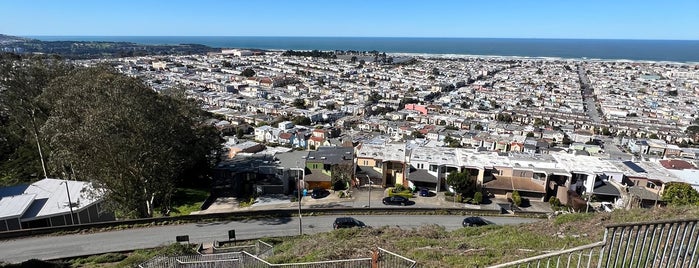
(450, 19)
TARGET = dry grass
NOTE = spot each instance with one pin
(432, 246)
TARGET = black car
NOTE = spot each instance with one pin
(395, 200)
(347, 222)
(476, 221)
(319, 193)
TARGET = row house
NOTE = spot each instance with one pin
(381, 164)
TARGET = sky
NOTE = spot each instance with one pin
(590, 19)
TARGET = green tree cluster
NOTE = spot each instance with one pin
(462, 183)
(94, 124)
(680, 194)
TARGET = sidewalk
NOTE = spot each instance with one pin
(359, 198)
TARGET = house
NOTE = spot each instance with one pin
(327, 163)
(48, 203)
(384, 164)
(317, 138)
(245, 147)
(262, 132)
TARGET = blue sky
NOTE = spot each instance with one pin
(605, 19)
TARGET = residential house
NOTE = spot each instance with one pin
(50, 202)
(328, 162)
(384, 164)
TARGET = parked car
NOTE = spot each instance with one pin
(475, 221)
(319, 193)
(347, 222)
(395, 200)
(424, 192)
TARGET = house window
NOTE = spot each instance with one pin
(315, 166)
(433, 168)
(366, 163)
(650, 185)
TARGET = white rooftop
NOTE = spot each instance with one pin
(44, 198)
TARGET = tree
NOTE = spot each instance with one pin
(22, 147)
(299, 103)
(680, 194)
(477, 198)
(530, 134)
(341, 175)
(478, 127)
(516, 198)
(248, 72)
(301, 121)
(131, 142)
(462, 183)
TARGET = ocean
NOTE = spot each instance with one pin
(686, 51)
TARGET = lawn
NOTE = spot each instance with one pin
(187, 200)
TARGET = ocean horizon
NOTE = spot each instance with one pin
(683, 51)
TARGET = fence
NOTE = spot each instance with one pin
(382, 258)
(652, 244)
(389, 259)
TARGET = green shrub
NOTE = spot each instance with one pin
(555, 203)
(341, 194)
(399, 188)
(459, 198)
(477, 198)
(516, 199)
(448, 194)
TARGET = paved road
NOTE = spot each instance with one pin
(588, 99)
(53, 247)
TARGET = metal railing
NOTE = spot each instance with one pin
(651, 244)
(382, 258)
(195, 261)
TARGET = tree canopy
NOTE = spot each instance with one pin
(462, 183)
(679, 194)
(95, 124)
(248, 72)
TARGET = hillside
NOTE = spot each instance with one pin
(87, 50)
(432, 246)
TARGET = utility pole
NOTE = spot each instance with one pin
(70, 205)
(298, 194)
(367, 177)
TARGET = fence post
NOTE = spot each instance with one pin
(375, 258)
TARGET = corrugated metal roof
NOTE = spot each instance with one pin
(15, 206)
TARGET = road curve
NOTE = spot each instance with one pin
(54, 247)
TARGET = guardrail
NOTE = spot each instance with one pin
(670, 243)
(252, 214)
(381, 258)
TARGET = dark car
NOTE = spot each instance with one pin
(319, 193)
(476, 221)
(347, 222)
(395, 200)
(424, 192)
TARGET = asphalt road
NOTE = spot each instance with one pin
(54, 247)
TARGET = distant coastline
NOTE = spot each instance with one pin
(680, 51)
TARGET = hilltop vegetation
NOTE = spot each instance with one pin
(95, 124)
(97, 49)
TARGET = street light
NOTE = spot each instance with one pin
(70, 206)
(298, 196)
